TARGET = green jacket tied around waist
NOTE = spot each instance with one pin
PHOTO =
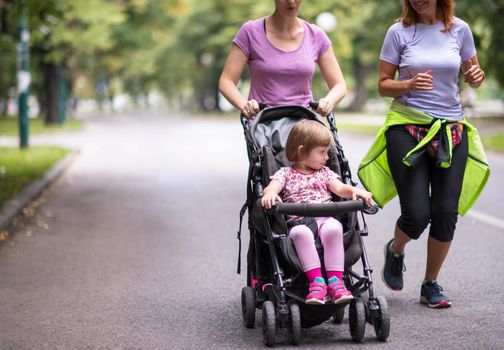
(374, 171)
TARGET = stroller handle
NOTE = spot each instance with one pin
(244, 118)
(314, 105)
(322, 209)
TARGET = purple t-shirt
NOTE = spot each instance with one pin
(281, 77)
(420, 47)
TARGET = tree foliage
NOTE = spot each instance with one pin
(179, 46)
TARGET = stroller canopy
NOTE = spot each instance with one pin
(271, 127)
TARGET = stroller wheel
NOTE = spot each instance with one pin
(382, 322)
(248, 306)
(294, 326)
(338, 316)
(268, 323)
(357, 319)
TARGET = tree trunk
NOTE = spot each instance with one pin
(51, 93)
(361, 72)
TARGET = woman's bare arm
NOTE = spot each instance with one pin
(473, 74)
(233, 69)
(333, 77)
(388, 86)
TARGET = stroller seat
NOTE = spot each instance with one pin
(271, 136)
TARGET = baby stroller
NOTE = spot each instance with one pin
(276, 283)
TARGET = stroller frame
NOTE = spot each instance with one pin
(280, 308)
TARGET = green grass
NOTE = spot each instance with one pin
(494, 142)
(359, 128)
(20, 167)
(9, 126)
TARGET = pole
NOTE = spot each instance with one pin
(23, 75)
(62, 94)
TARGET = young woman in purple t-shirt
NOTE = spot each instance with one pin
(427, 48)
(282, 52)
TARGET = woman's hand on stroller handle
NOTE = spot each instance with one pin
(323, 106)
(251, 108)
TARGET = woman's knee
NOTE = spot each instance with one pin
(414, 224)
(443, 225)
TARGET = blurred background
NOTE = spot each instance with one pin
(108, 55)
(134, 246)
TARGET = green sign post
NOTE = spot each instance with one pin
(23, 74)
(62, 94)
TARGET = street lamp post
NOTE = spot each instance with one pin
(23, 74)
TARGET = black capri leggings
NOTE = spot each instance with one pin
(426, 193)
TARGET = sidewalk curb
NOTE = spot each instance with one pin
(14, 206)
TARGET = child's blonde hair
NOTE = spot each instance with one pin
(309, 134)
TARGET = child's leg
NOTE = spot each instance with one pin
(304, 242)
(330, 232)
(331, 236)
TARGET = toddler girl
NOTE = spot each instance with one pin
(308, 180)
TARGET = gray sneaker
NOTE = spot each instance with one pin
(432, 295)
(392, 273)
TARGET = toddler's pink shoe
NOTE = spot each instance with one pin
(317, 292)
(337, 291)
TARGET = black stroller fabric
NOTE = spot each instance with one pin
(276, 282)
(270, 137)
(267, 137)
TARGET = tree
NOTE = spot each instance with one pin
(485, 18)
(69, 43)
(179, 46)
(201, 44)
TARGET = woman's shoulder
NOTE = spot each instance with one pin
(313, 29)
(398, 27)
(316, 35)
(252, 25)
(460, 29)
(459, 23)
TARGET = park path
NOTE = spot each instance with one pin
(140, 251)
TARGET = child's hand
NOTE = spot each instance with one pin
(367, 196)
(269, 199)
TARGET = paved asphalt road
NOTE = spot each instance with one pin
(140, 252)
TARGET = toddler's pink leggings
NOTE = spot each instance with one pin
(330, 232)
